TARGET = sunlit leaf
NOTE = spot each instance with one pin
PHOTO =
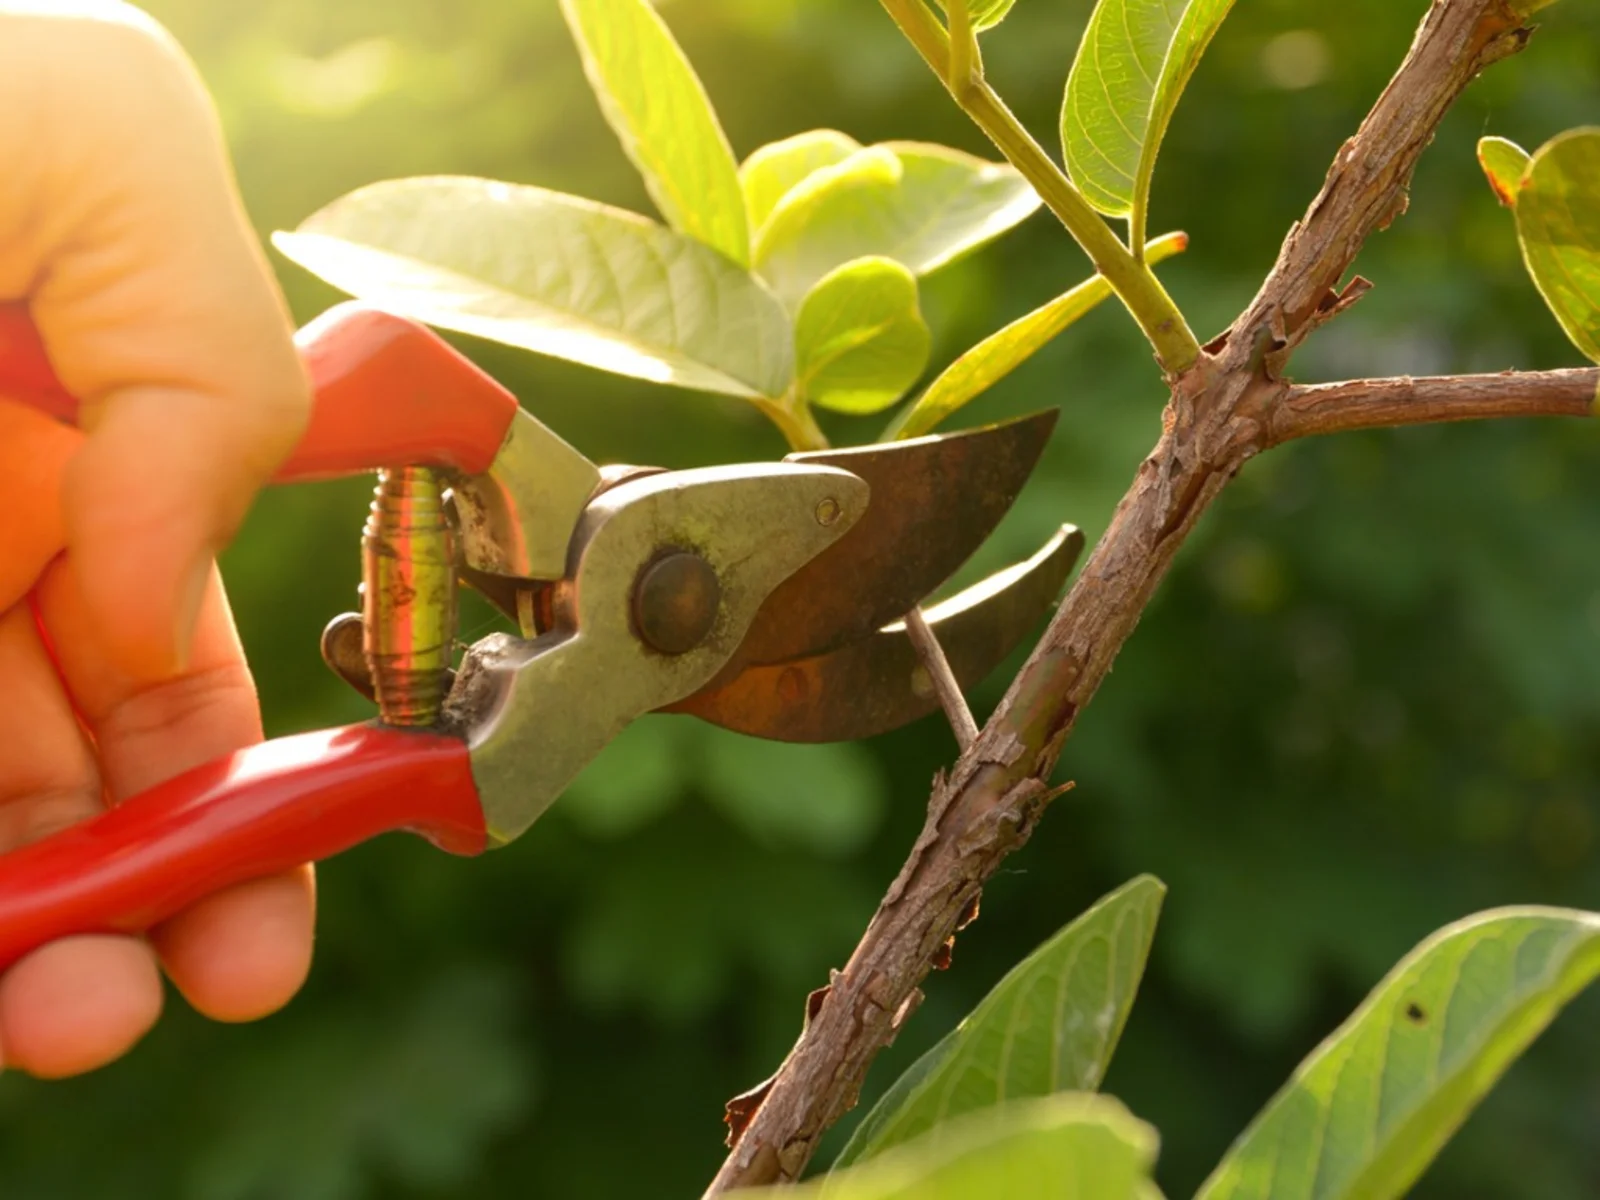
(859, 337)
(555, 274)
(1368, 1111)
(918, 204)
(769, 173)
(1135, 59)
(654, 101)
(1064, 1147)
(986, 14)
(992, 359)
(1503, 162)
(1558, 221)
(1049, 1026)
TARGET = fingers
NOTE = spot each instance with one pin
(243, 952)
(34, 450)
(81, 1002)
(120, 225)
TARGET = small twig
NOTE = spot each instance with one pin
(1382, 403)
(1134, 283)
(943, 678)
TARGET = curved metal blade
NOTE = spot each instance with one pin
(934, 501)
(878, 683)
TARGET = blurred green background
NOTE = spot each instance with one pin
(1367, 701)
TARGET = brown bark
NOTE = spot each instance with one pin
(1430, 400)
(1229, 406)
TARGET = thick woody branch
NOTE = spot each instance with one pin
(1383, 403)
(1222, 412)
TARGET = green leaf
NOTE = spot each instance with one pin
(555, 274)
(859, 337)
(652, 98)
(1135, 59)
(1049, 1026)
(1558, 221)
(1372, 1106)
(769, 173)
(1503, 162)
(918, 204)
(986, 14)
(1066, 1147)
(992, 359)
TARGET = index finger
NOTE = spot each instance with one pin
(121, 226)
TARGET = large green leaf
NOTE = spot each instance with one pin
(1366, 1113)
(1503, 162)
(859, 337)
(769, 173)
(555, 274)
(654, 101)
(992, 359)
(1135, 59)
(1064, 1147)
(1049, 1026)
(1558, 221)
(919, 204)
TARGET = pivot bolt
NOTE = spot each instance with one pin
(675, 602)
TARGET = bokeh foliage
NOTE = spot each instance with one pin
(1366, 703)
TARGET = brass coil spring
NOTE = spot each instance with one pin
(408, 596)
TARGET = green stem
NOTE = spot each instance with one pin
(1134, 283)
(792, 416)
(1138, 231)
(966, 60)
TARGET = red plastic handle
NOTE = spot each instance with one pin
(263, 810)
(387, 391)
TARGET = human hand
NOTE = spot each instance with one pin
(119, 666)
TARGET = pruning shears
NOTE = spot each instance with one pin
(761, 597)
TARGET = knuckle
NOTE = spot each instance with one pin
(176, 706)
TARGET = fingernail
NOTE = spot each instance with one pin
(191, 595)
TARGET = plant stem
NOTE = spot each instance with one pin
(1386, 403)
(792, 416)
(1134, 283)
(966, 60)
(928, 649)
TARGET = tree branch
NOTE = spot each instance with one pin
(1383, 403)
(1220, 414)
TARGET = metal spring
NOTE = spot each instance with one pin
(408, 596)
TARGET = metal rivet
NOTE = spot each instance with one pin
(793, 686)
(675, 602)
(828, 511)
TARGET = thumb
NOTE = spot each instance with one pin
(127, 237)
